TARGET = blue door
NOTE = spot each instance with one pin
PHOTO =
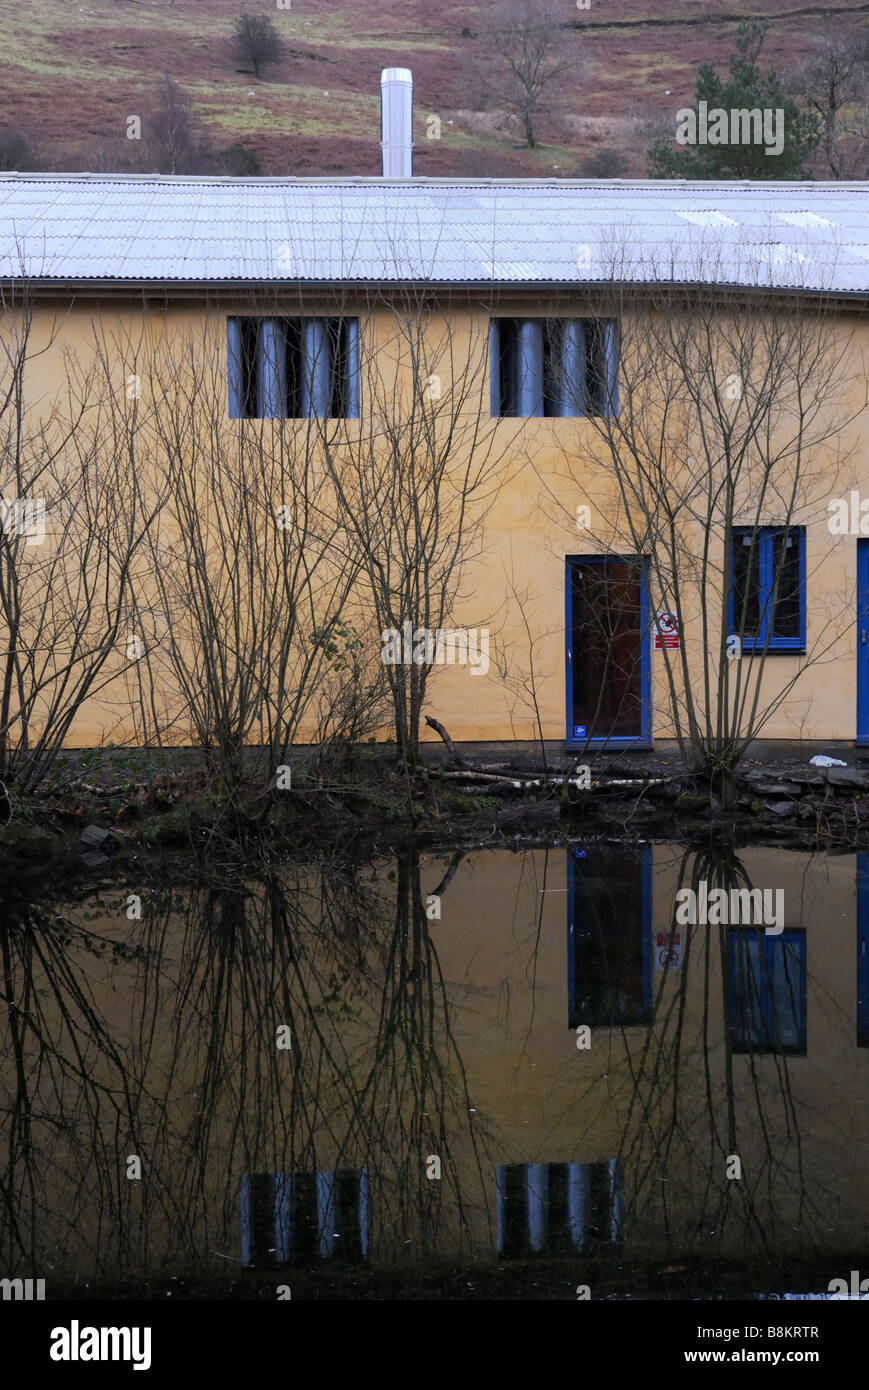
(607, 652)
(863, 641)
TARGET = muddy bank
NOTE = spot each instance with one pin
(543, 1278)
(149, 806)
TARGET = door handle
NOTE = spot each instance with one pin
(862, 637)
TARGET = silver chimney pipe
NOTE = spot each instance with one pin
(396, 122)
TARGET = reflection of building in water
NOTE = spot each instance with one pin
(754, 1036)
(552, 1208)
(766, 991)
(609, 955)
(288, 1217)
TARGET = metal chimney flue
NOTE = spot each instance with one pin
(396, 122)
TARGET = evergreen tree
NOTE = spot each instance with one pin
(746, 88)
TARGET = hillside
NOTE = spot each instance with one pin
(71, 75)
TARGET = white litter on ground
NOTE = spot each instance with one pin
(821, 760)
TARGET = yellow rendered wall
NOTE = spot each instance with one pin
(529, 529)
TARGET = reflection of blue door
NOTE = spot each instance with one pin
(609, 937)
(863, 641)
(863, 949)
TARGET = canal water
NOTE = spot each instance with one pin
(486, 1074)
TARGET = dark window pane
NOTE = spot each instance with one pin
(786, 573)
(293, 331)
(249, 335)
(508, 355)
(746, 583)
(595, 383)
(337, 331)
(552, 368)
(338, 339)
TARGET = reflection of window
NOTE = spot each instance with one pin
(561, 367)
(769, 591)
(287, 1217)
(548, 1208)
(766, 991)
(609, 937)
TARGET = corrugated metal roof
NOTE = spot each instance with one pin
(89, 227)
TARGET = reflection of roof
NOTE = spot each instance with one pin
(86, 227)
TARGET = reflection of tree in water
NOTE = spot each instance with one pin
(67, 1097)
(186, 1073)
(677, 1136)
(166, 1048)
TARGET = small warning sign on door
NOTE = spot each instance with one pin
(666, 631)
(668, 951)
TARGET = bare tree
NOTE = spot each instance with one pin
(519, 663)
(76, 513)
(529, 38)
(255, 616)
(231, 959)
(173, 142)
(257, 42)
(730, 435)
(413, 479)
(834, 83)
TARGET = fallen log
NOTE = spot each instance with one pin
(468, 776)
(451, 747)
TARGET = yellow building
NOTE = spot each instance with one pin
(645, 399)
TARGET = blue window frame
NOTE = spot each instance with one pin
(766, 991)
(296, 369)
(553, 367)
(608, 695)
(761, 615)
(609, 937)
(862, 644)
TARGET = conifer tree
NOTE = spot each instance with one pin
(746, 88)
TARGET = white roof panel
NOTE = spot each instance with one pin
(523, 232)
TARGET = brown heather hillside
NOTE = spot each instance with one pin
(71, 75)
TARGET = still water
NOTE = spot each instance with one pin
(492, 1074)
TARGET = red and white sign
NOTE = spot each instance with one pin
(668, 951)
(667, 631)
